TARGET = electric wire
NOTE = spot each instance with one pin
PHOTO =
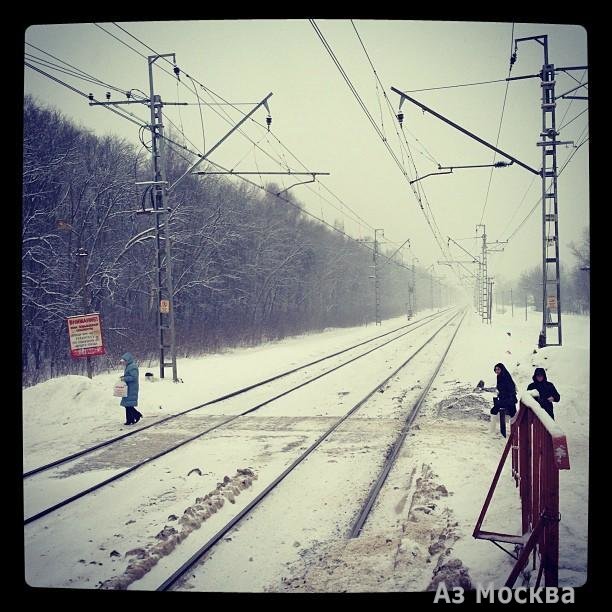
(357, 96)
(429, 155)
(435, 229)
(178, 99)
(533, 179)
(123, 114)
(540, 199)
(201, 116)
(501, 120)
(76, 69)
(228, 118)
(367, 113)
(47, 64)
(574, 119)
(453, 86)
(81, 93)
(332, 227)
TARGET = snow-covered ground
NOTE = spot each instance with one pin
(447, 462)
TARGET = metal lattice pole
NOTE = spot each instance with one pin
(484, 280)
(551, 287)
(165, 301)
(376, 278)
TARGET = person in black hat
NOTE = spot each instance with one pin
(506, 391)
(547, 391)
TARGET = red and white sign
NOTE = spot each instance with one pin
(85, 333)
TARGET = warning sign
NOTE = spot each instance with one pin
(551, 302)
(164, 306)
(85, 333)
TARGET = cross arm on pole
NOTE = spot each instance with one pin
(312, 180)
(450, 262)
(430, 174)
(499, 164)
(564, 68)
(474, 259)
(573, 89)
(524, 76)
(390, 259)
(467, 132)
(264, 102)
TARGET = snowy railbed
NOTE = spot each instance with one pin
(420, 530)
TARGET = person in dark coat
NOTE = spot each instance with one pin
(506, 391)
(130, 401)
(547, 391)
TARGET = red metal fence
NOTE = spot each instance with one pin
(539, 451)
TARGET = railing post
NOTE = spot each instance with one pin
(539, 451)
(525, 469)
(551, 531)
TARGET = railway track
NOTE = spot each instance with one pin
(179, 574)
(75, 456)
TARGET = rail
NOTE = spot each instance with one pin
(138, 465)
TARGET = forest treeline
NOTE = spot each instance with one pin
(575, 278)
(247, 266)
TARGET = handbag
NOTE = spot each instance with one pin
(120, 389)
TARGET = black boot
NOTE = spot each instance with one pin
(135, 414)
(495, 408)
(132, 417)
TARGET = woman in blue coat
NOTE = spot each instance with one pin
(130, 401)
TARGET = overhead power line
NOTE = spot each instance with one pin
(501, 120)
(574, 119)
(540, 199)
(123, 113)
(356, 95)
(78, 70)
(362, 104)
(453, 86)
(228, 119)
(306, 212)
(434, 228)
(56, 67)
(81, 93)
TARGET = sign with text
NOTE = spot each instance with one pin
(85, 333)
(164, 306)
(551, 302)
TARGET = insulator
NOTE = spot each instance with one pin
(90, 96)
(128, 94)
(269, 121)
(400, 118)
(108, 95)
(177, 71)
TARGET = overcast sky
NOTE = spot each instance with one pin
(319, 121)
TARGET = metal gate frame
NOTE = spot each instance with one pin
(539, 451)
